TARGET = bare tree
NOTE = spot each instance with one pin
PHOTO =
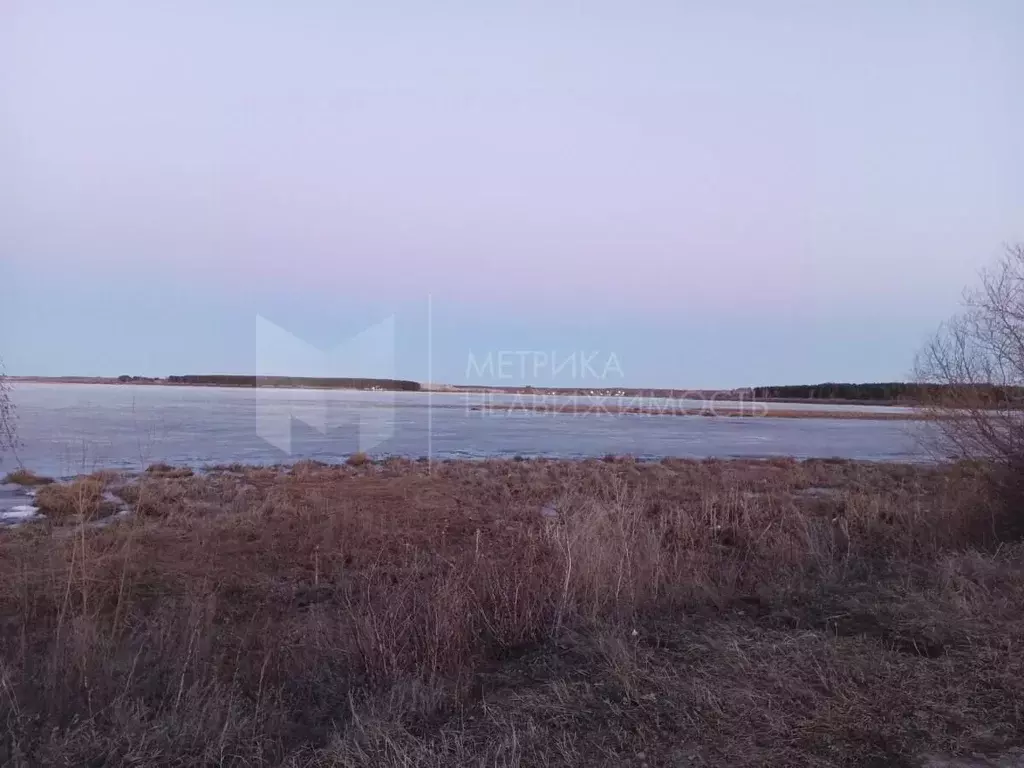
(972, 372)
(7, 416)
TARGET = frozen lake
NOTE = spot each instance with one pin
(69, 428)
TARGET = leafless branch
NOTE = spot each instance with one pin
(972, 372)
(8, 432)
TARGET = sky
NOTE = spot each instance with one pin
(687, 195)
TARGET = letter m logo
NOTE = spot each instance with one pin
(368, 354)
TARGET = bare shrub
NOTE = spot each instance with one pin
(8, 433)
(972, 372)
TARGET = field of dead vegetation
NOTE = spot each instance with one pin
(513, 613)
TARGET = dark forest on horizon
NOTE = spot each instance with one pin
(225, 380)
(882, 392)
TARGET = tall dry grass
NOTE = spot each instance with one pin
(260, 616)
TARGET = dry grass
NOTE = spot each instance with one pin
(519, 613)
(79, 500)
(357, 459)
(166, 470)
(24, 476)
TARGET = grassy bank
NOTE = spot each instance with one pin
(514, 613)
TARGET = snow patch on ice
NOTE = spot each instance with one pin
(18, 514)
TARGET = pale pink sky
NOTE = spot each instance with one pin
(680, 165)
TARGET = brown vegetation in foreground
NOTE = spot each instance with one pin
(755, 410)
(517, 613)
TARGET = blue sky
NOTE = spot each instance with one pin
(716, 194)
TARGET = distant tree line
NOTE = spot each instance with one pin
(890, 391)
(887, 391)
(224, 380)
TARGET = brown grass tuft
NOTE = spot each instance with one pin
(166, 470)
(24, 476)
(80, 499)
